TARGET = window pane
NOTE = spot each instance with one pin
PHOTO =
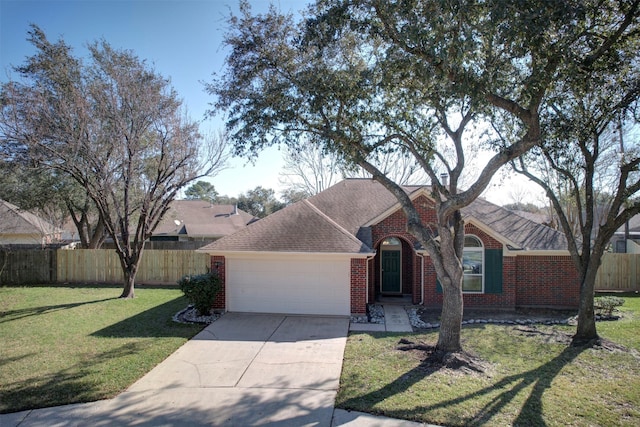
(391, 241)
(472, 262)
(472, 242)
(472, 284)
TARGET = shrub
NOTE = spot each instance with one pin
(604, 306)
(201, 290)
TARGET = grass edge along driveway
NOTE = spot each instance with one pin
(533, 378)
(70, 344)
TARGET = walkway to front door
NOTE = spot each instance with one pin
(396, 319)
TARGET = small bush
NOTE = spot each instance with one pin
(201, 290)
(605, 306)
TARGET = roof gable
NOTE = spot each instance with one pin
(354, 202)
(14, 220)
(300, 227)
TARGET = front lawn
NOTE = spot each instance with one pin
(63, 345)
(532, 379)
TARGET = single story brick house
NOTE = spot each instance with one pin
(345, 247)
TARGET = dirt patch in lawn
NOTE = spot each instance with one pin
(554, 336)
(433, 360)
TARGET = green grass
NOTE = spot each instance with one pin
(531, 380)
(62, 345)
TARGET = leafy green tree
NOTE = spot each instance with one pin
(202, 190)
(588, 163)
(115, 127)
(291, 196)
(259, 202)
(362, 78)
(226, 200)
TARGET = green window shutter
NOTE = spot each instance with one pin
(438, 287)
(493, 271)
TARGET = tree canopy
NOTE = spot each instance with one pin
(202, 190)
(114, 126)
(362, 78)
(259, 202)
(589, 155)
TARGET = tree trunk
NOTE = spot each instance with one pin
(586, 329)
(451, 318)
(129, 283)
(130, 260)
(98, 235)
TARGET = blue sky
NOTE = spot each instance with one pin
(181, 38)
(183, 41)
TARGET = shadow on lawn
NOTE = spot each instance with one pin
(8, 316)
(70, 385)
(153, 323)
(530, 414)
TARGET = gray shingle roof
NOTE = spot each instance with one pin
(333, 220)
(523, 232)
(199, 218)
(354, 202)
(300, 227)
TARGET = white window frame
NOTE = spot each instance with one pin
(474, 249)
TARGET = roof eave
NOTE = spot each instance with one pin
(236, 253)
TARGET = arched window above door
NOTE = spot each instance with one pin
(391, 241)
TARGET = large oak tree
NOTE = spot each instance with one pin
(116, 127)
(362, 78)
(589, 160)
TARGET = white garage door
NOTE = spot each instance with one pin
(289, 285)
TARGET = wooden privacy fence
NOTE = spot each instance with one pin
(103, 266)
(27, 266)
(619, 272)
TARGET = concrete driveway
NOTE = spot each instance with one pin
(242, 370)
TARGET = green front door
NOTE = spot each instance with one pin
(391, 272)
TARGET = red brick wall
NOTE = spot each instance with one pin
(547, 281)
(503, 301)
(544, 281)
(372, 280)
(396, 223)
(358, 286)
(488, 241)
(527, 281)
(218, 266)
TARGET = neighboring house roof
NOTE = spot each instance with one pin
(14, 220)
(634, 226)
(338, 219)
(199, 218)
